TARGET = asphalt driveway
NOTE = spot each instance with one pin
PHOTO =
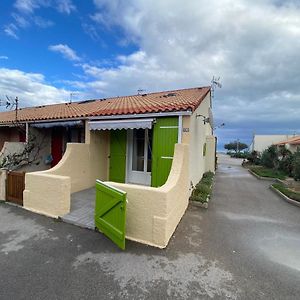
(245, 246)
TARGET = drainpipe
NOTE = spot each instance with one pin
(179, 129)
(27, 132)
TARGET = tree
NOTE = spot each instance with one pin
(236, 146)
(269, 157)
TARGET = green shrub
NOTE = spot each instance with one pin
(296, 165)
(254, 158)
(286, 164)
(202, 189)
(269, 157)
(268, 172)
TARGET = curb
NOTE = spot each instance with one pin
(262, 178)
(283, 196)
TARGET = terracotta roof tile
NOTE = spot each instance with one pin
(166, 101)
(293, 141)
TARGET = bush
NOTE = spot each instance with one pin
(286, 164)
(269, 157)
(296, 165)
(254, 158)
(203, 188)
(267, 172)
(239, 155)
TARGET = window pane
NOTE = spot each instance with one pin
(149, 162)
(138, 150)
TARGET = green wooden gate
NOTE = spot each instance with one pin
(165, 136)
(117, 163)
(110, 212)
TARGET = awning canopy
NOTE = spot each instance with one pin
(121, 124)
(56, 124)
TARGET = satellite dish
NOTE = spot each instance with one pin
(211, 118)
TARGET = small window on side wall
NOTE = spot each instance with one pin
(204, 149)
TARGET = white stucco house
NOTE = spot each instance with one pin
(262, 142)
(154, 147)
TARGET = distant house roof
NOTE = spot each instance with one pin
(167, 101)
(292, 141)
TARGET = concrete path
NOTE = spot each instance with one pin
(245, 246)
(82, 209)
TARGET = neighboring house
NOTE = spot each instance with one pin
(262, 142)
(154, 146)
(292, 144)
(39, 125)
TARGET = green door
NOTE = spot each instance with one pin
(110, 212)
(117, 163)
(165, 136)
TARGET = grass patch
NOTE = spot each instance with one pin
(267, 172)
(202, 189)
(284, 190)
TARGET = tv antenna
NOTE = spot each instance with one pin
(215, 83)
(72, 94)
(10, 104)
(140, 91)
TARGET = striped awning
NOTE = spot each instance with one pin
(121, 124)
(56, 124)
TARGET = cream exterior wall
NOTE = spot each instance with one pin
(154, 213)
(262, 142)
(198, 134)
(48, 192)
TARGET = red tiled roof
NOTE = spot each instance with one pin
(292, 141)
(167, 101)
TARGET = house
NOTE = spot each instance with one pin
(38, 125)
(262, 142)
(292, 144)
(154, 147)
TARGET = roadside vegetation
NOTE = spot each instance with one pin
(286, 191)
(280, 163)
(267, 172)
(202, 190)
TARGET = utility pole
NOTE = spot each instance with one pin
(237, 145)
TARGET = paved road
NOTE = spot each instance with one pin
(245, 246)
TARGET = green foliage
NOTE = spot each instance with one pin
(203, 188)
(289, 193)
(239, 155)
(286, 164)
(254, 158)
(236, 146)
(269, 157)
(296, 166)
(267, 172)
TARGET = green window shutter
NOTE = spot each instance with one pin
(117, 163)
(165, 136)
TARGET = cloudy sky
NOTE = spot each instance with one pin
(100, 48)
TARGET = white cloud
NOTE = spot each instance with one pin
(42, 23)
(66, 51)
(11, 30)
(3, 57)
(253, 45)
(65, 6)
(31, 88)
(20, 21)
(27, 6)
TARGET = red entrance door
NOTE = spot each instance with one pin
(56, 146)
